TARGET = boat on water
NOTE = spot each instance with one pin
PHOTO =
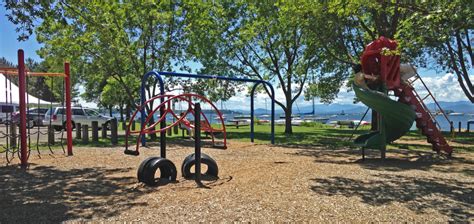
(299, 121)
(455, 114)
(218, 118)
(294, 122)
(323, 120)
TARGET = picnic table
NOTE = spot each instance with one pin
(237, 123)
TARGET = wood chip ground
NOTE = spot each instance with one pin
(257, 183)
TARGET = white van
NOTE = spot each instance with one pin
(6, 111)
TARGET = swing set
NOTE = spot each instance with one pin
(24, 147)
(165, 105)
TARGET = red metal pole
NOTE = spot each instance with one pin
(68, 109)
(22, 93)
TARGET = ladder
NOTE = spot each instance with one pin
(411, 82)
(426, 122)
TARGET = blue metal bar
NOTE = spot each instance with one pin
(252, 109)
(256, 81)
(143, 113)
(186, 75)
(272, 124)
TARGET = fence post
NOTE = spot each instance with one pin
(459, 127)
(95, 131)
(469, 126)
(451, 127)
(51, 135)
(169, 131)
(176, 130)
(113, 132)
(78, 131)
(13, 135)
(124, 125)
(133, 125)
(85, 134)
(104, 130)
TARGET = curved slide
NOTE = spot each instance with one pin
(397, 118)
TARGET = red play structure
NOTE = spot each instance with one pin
(382, 60)
(22, 73)
(165, 108)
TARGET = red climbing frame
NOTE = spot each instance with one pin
(166, 107)
(22, 72)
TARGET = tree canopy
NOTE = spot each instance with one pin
(302, 47)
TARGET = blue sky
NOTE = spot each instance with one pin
(444, 86)
(9, 44)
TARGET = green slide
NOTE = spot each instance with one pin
(397, 118)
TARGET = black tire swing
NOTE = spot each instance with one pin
(149, 167)
(190, 161)
(147, 170)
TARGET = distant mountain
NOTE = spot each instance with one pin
(334, 108)
(459, 107)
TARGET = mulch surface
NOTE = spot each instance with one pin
(257, 182)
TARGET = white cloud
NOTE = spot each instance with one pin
(444, 88)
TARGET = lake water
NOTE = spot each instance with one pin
(440, 118)
(442, 121)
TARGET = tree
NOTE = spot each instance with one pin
(106, 40)
(435, 34)
(266, 40)
(444, 32)
(114, 96)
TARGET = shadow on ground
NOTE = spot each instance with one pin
(452, 198)
(44, 194)
(397, 159)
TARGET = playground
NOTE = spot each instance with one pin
(297, 184)
(219, 172)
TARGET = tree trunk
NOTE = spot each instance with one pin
(153, 136)
(127, 112)
(121, 112)
(288, 112)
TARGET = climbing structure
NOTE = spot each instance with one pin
(165, 108)
(381, 73)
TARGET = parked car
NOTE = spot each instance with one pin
(6, 111)
(81, 115)
(34, 117)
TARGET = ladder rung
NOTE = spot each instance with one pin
(414, 80)
(424, 98)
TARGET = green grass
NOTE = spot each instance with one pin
(312, 134)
